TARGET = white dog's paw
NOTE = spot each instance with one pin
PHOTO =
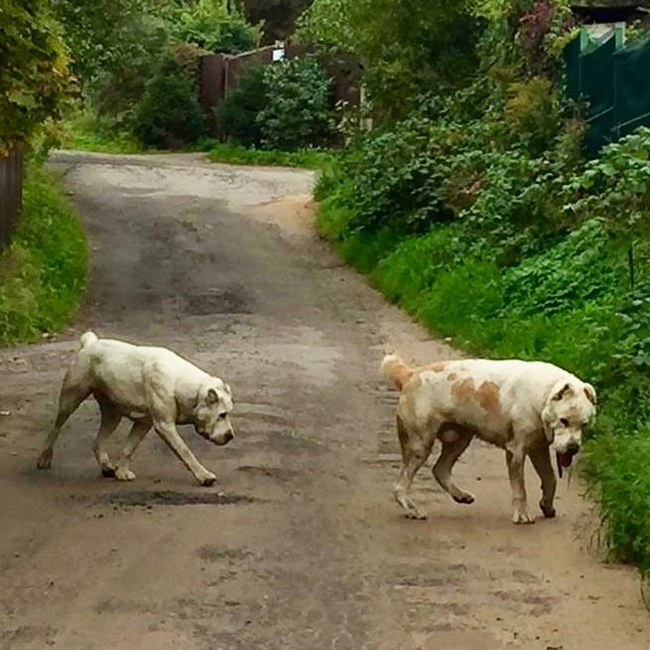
(522, 517)
(124, 474)
(415, 515)
(207, 479)
(45, 460)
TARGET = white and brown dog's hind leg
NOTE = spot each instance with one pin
(415, 451)
(111, 417)
(74, 390)
(515, 458)
(138, 431)
(455, 441)
(541, 458)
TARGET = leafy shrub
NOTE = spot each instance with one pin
(238, 112)
(34, 77)
(299, 106)
(168, 115)
(216, 26)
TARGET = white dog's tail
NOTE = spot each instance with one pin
(87, 338)
(394, 368)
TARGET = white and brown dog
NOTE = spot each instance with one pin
(523, 407)
(153, 387)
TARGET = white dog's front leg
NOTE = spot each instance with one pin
(136, 435)
(515, 458)
(169, 434)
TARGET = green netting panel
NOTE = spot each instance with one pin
(632, 82)
(596, 85)
(614, 80)
(573, 68)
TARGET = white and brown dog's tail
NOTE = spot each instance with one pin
(394, 368)
(87, 338)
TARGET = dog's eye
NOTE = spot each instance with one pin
(564, 422)
(222, 416)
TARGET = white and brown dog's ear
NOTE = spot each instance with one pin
(590, 392)
(567, 389)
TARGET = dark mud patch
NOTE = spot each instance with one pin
(214, 553)
(225, 301)
(170, 498)
(278, 473)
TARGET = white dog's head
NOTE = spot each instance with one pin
(212, 412)
(568, 410)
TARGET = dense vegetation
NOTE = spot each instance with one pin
(43, 272)
(477, 211)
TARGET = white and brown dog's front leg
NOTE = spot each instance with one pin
(541, 459)
(167, 431)
(515, 458)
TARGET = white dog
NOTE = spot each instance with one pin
(524, 407)
(153, 387)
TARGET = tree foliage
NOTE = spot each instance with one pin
(407, 46)
(278, 16)
(34, 77)
(215, 25)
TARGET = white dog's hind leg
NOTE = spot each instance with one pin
(138, 431)
(451, 452)
(72, 395)
(168, 433)
(111, 417)
(515, 458)
(541, 460)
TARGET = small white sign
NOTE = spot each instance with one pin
(278, 55)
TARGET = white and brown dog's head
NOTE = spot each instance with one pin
(212, 412)
(568, 410)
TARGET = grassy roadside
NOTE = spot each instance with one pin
(43, 272)
(500, 312)
(237, 155)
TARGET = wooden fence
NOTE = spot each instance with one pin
(11, 192)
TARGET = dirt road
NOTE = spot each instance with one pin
(299, 546)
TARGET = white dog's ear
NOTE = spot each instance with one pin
(212, 396)
(565, 390)
(590, 392)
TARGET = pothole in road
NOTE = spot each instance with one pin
(145, 498)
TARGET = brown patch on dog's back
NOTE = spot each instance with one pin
(451, 376)
(463, 390)
(488, 397)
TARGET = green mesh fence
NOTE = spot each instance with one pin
(614, 80)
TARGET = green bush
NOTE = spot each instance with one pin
(299, 106)
(238, 112)
(168, 114)
(43, 272)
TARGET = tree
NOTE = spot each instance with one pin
(34, 77)
(407, 46)
(279, 16)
